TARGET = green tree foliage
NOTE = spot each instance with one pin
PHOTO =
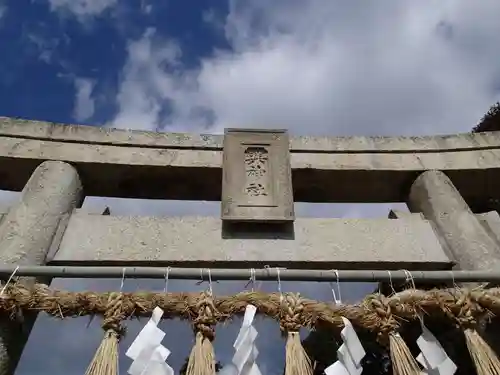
(490, 121)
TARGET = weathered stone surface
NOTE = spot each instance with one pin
(181, 166)
(198, 241)
(257, 178)
(470, 240)
(491, 223)
(467, 241)
(20, 128)
(27, 232)
(27, 229)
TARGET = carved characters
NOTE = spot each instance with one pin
(256, 167)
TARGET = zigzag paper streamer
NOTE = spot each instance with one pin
(244, 359)
(433, 357)
(151, 361)
(146, 351)
(350, 354)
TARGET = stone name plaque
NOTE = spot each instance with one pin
(257, 177)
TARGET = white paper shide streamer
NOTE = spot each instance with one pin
(349, 355)
(245, 354)
(147, 352)
(433, 357)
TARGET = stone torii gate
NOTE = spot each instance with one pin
(257, 175)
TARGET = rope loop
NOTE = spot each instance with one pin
(487, 300)
(291, 310)
(114, 315)
(387, 322)
(468, 310)
(11, 293)
(206, 316)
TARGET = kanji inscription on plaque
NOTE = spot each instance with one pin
(256, 168)
(256, 190)
(256, 161)
(257, 176)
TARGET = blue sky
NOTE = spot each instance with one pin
(336, 67)
(50, 52)
(416, 67)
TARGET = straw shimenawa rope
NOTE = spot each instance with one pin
(202, 358)
(484, 358)
(402, 360)
(105, 361)
(403, 305)
(376, 314)
(297, 361)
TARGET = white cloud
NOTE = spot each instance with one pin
(45, 48)
(84, 103)
(146, 87)
(3, 11)
(145, 7)
(82, 8)
(323, 66)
